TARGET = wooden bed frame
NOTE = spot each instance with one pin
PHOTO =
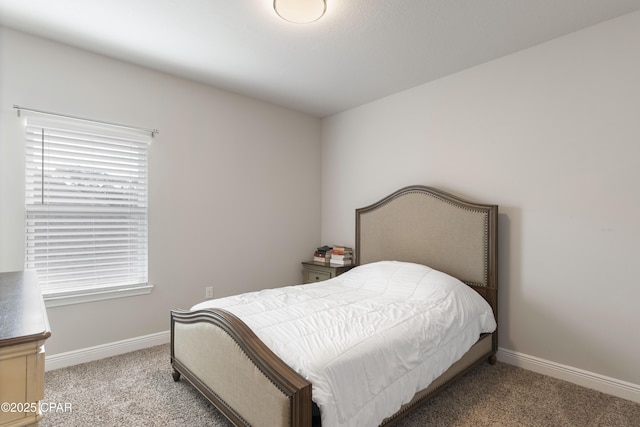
(250, 385)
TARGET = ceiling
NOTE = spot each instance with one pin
(360, 51)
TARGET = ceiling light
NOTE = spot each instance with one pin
(300, 11)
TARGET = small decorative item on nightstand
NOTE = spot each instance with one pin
(318, 271)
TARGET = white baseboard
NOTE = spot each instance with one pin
(608, 385)
(75, 357)
(583, 378)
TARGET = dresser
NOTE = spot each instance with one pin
(24, 327)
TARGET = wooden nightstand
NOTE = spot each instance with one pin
(318, 271)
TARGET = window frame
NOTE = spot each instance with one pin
(100, 290)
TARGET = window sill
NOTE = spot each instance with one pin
(98, 294)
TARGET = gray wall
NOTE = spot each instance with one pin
(552, 135)
(234, 183)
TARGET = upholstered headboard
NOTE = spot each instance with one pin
(428, 226)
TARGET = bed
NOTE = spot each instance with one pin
(244, 378)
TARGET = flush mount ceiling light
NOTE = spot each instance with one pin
(300, 11)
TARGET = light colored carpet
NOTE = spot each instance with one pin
(136, 389)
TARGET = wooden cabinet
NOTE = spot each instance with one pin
(317, 271)
(24, 327)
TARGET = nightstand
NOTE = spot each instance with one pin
(319, 271)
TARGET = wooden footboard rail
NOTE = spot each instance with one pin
(233, 369)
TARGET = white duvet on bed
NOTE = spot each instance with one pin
(369, 339)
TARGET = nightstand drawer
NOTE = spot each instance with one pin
(316, 276)
(317, 272)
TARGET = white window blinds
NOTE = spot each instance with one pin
(86, 205)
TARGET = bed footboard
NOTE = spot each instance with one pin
(232, 368)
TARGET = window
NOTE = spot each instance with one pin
(86, 208)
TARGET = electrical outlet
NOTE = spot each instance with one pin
(208, 292)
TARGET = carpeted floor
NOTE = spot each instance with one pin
(136, 389)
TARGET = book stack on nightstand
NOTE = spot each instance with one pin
(341, 255)
(328, 262)
(322, 254)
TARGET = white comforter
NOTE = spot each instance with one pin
(369, 339)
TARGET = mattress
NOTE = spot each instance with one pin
(369, 339)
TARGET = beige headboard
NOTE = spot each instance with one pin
(428, 226)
